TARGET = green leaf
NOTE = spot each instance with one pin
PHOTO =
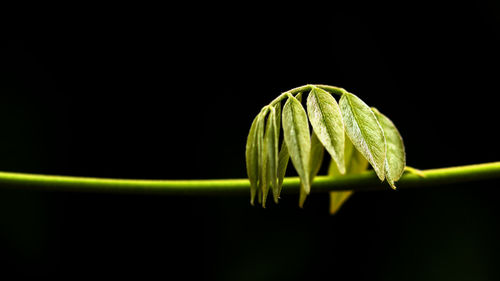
(316, 156)
(395, 159)
(252, 153)
(297, 139)
(283, 157)
(337, 199)
(355, 164)
(277, 108)
(251, 157)
(348, 152)
(326, 120)
(271, 139)
(261, 146)
(364, 131)
(315, 161)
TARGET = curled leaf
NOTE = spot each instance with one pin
(364, 131)
(297, 139)
(395, 159)
(326, 121)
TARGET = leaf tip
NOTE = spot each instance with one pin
(302, 198)
(252, 196)
(391, 183)
(342, 169)
(264, 199)
(301, 203)
(375, 110)
(380, 173)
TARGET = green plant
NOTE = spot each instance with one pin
(353, 134)
(350, 131)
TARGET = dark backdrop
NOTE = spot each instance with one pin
(170, 94)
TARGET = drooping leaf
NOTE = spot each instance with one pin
(262, 154)
(395, 160)
(277, 109)
(315, 161)
(337, 199)
(364, 131)
(271, 155)
(252, 154)
(349, 149)
(355, 163)
(283, 158)
(262, 150)
(252, 159)
(326, 120)
(316, 156)
(297, 139)
(358, 162)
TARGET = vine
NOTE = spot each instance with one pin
(353, 134)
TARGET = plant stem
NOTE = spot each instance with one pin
(290, 92)
(331, 89)
(358, 182)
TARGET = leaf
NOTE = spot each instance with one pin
(326, 120)
(277, 108)
(283, 157)
(364, 131)
(297, 139)
(252, 154)
(315, 161)
(251, 157)
(358, 162)
(337, 199)
(348, 151)
(316, 156)
(262, 151)
(395, 159)
(355, 164)
(271, 139)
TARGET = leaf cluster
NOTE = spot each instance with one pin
(349, 130)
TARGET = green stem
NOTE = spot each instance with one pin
(331, 89)
(358, 182)
(291, 92)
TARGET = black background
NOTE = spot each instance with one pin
(169, 93)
